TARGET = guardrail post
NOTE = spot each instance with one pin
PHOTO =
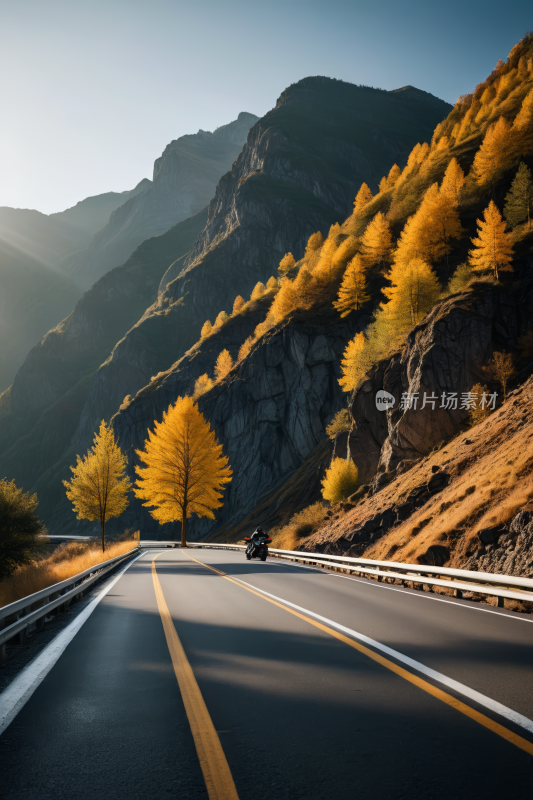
(39, 625)
(501, 602)
(459, 594)
(22, 635)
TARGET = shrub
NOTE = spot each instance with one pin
(202, 385)
(460, 279)
(341, 480)
(20, 527)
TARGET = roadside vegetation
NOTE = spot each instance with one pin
(66, 561)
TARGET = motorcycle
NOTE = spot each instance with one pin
(257, 547)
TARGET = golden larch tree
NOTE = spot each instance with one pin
(340, 481)
(184, 470)
(493, 246)
(223, 366)
(258, 291)
(99, 487)
(353, 291)
(362, 198)
(344, 253)
(312, 250)
(245, 348)
(453, 181)
(220, 320)
(393, 175)
(206, 329)
(202, 385)
(523, 127)
(495, 154)
(376, 244)
(272, 284)
(238, 304)
(286, 263)
(306, 288)
(414, 291)
(355, 362)
(284, 301)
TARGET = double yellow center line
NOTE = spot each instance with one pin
(219, 782)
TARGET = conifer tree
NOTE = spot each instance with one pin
(519, 199)
(355, 362)
(428, 232)
(383, 184)
(453, 181)
(376, 244)
(220, 320)
(238, 304)
(246, 346)
(264, 326)
(493, 246)
(340, 481)
(99, 488)
(271, 284)
(224, 364)
(353, 291)
(344, 253)
(393, 175)
(258, 291)
(495, 154)
(202, 385)
(304, 288)
(316, 240)
(523, 127)
(20, 528)
(362, 198)
(184, 470)
(206, 329)
(286, 263)
(285, 300)
(414, 291)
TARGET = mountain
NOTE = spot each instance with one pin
(34, 292)
(184, 181)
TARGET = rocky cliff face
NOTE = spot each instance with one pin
(184, 181)
(445, 354)
(270, 413)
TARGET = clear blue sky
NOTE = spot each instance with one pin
(93, 91)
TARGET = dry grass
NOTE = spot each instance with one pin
(66, 561)
(304, 523)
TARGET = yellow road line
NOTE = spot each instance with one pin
(215, 768)
(487, 722)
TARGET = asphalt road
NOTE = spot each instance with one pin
(299, 713)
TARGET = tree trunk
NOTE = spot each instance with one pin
(103, 535)
(184, 530)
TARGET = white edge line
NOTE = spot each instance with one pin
(477, 697)
(17, 694)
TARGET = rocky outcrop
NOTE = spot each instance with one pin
(443, 356)
(270, 413)
(506, 549)
(184, 181)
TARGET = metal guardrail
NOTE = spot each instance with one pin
(15, 617)
(458, 580)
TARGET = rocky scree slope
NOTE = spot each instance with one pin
(40, 412)
(298, 172)
(184, 181)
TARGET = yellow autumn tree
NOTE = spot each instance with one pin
(312, 250)
(479, 410)
(184, 470)
(355, 362)
(362, 198)
(286, 263)
(284, 301)
(453, 181)
(306, 288)
(206, 329)
(272, 284)
(495, 154)
(340, 481)
(258, 291)
(414, 291)
(344, 253)
(245, 348)
(238, 304)
(223, 366)
(376, 244)
(493, 246)
(523, 127)
(99, 487)
(220, 320)
(353, 291)
(202, 385)
(393, 176)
